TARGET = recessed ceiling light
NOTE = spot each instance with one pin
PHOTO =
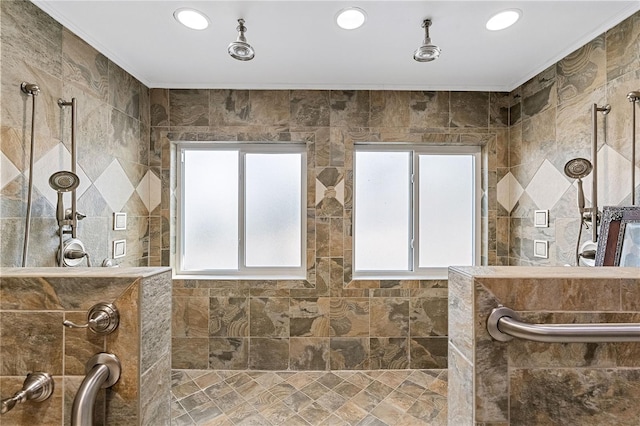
(191, 18)
(503, 19)
(351, 18)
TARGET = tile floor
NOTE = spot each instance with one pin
(381, 397)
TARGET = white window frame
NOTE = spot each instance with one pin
(243, 272)
(414, 272)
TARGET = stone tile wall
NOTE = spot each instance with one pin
(33, 304)
(328, 321)
(550, 123)
(523, 382)
(526, 135)
(112, 141)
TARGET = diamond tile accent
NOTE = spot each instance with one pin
(614, 177)
(149, 189)
(114, 185)
(323, 192)
(53, 161)
(8, 171)
(509, 191)
(547, 186)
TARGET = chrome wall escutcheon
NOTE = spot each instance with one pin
(102, 318)
(37, 387)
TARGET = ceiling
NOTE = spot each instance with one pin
(299, 46)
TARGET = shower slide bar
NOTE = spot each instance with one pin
(633, 97)
(504, 324)
(74, 163)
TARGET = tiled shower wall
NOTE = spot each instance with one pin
(216, 323)
(550, 123)
(328, 320)
(112, 141)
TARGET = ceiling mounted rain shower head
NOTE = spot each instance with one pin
(240, 49)
(427, 52)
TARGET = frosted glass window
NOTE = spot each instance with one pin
(242, 210)
(210, 234)
(415, 210)
(273, 210)
(446, 210)
(381, 212)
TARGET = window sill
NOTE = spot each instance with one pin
(238, 277)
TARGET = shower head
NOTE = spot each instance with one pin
(240, 49)
(577, 168)
(64, 181)
(427, 52)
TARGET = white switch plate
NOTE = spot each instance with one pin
(119, 221)
(119, 248)
(541, 249)
(541, 218)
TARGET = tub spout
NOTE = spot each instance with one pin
(103, 371)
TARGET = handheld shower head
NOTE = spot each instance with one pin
(61, 182)
(577, 169)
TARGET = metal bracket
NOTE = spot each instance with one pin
(492, 322)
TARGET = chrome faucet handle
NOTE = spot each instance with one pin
(68, 215)
(36, 387)
(102, 318)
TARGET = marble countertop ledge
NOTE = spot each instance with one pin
(529, 272)
(132, 272)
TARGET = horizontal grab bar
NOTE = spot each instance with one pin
(504, 324)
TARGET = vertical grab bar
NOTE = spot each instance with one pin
(633, 98)
(103, 371)
(594, 160)
(594, 174)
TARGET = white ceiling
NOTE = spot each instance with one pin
(299, 46)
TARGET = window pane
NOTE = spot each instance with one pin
(210, 191)
(446, 210)
(382, 216)
(273, 209)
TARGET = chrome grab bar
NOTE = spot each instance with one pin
(504, 324)
(103, 371)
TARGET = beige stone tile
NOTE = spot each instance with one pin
(622, 47)
(31, 341)
(349, 317)
(189, 107)
(469, 109)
